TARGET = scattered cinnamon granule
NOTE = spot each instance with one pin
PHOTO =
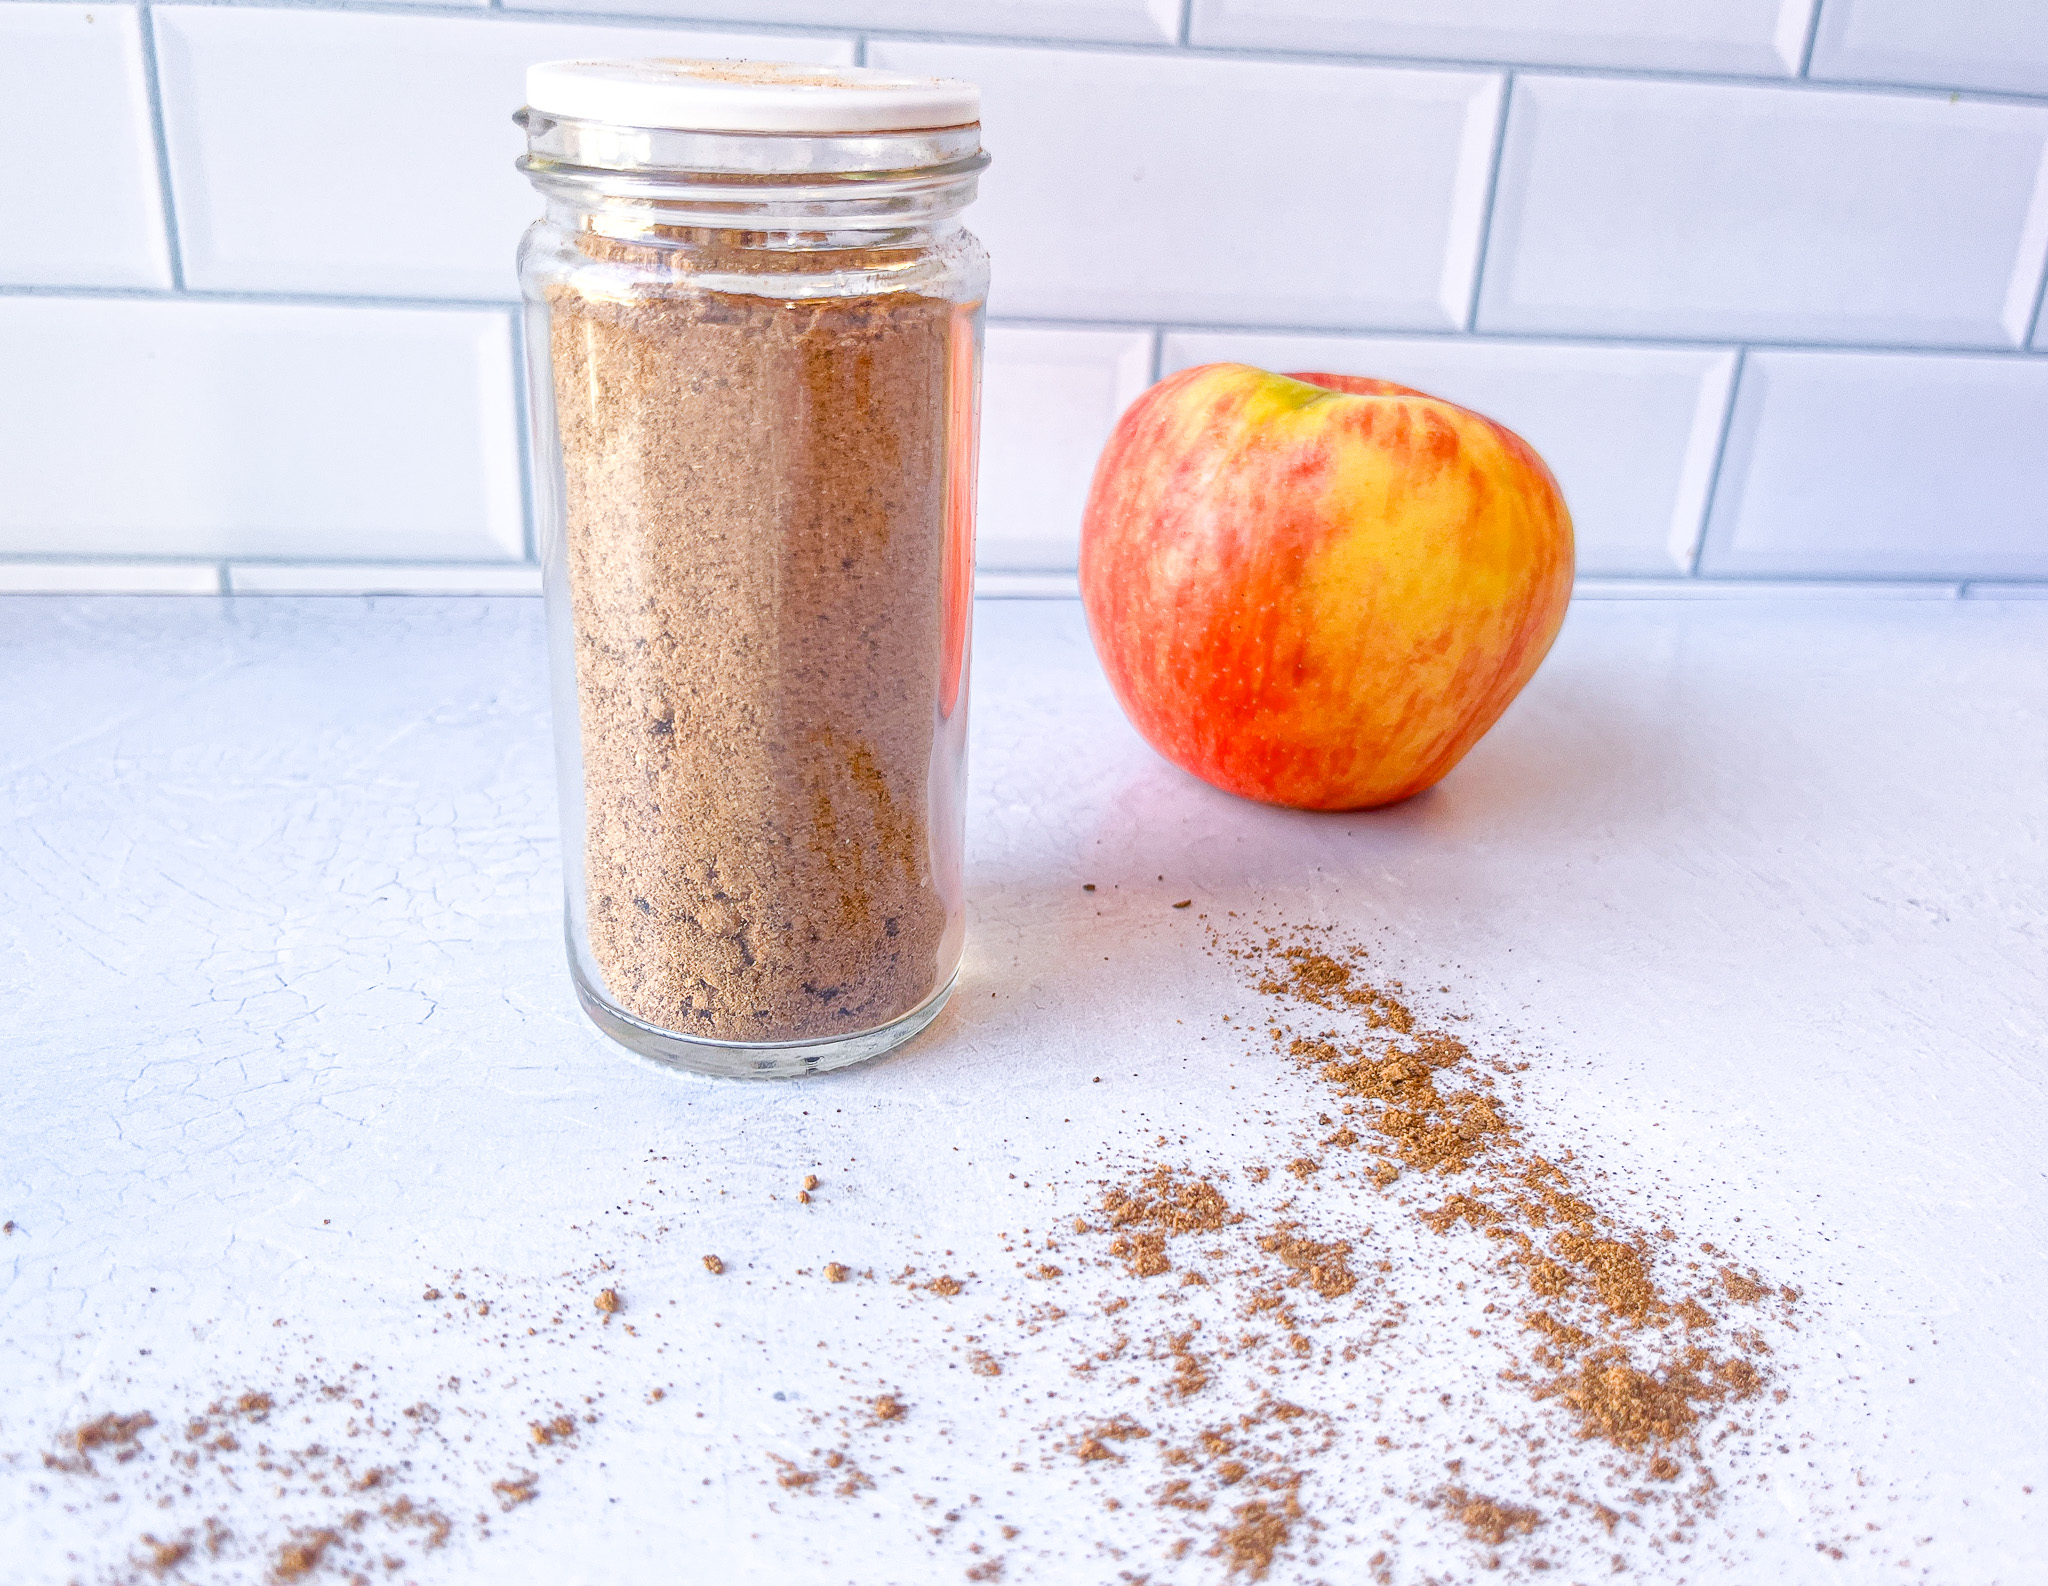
(1617, 1273)
(552, 1431)
(113, 1431)
(1629, 1407)
(888, 1408)
(300, 1557)
(713, 1265)
(983, 1365)
(1323, 1266)
(516, 1489)
(835, 1272)
(609, 1302)
(1164, 1201)
(165, 1555)
(1190, 1373)
(810, 1181)
(404, 1511)
(1145, 1253)
(1159, 1207)
(944, 1284)
(1488, 1521)
(1741, 1289)
(1693, 1314)
(790, 1477)
(1254, 1539)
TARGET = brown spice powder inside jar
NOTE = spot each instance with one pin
(756, 541)
(757, 506)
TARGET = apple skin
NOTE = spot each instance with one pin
(1318, 590)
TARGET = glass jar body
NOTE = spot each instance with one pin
(754, 488)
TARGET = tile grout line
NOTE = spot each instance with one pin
(160, 136)
(2033, 331)
(1492, 336)
(1699, 539)
(1500, 144)
(1187, 23)
(1812, 35)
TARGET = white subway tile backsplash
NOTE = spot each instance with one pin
(85, 207)
(1026, 586)
(1760, 589)
(1049, 400)
(1696, 210)
(1630, 432)
(1112, 21)
(1994, 44)
(109, 578)
(1130, 186)
(1884, 465)
(391, 578)
(388, 170)
(1750, 36)
(182, 428)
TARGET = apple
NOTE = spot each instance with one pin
(1318, 590)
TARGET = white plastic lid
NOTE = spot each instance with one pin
(748, 96)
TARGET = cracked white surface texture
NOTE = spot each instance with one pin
(289, 1037)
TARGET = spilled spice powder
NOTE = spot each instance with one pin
(1486, 1521)
(1245, 1417)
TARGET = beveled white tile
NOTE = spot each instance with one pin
(1702, 210)
(1026, 586)
(109, 578)
(1049, 400)
(84, 204)
(182, 428)
(388, 169)
(1111, 21)
(1884, 465)
(1993, 44)
(389, 578)
(1830, 589)
(1167, 187)
(1630, 432)
(1749, 36)
(2005, 591)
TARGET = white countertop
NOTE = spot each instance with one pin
(1758, 884)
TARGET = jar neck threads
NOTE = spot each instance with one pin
(798, 190)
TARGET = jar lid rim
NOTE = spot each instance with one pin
(684, 95)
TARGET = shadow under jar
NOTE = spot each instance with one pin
(753, 352)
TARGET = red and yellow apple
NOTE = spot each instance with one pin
(1318, 590)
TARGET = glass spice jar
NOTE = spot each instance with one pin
(753, 345)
